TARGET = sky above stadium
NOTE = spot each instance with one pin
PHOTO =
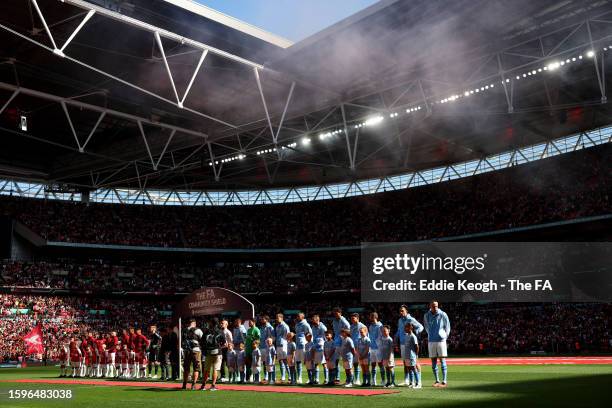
(291, 19)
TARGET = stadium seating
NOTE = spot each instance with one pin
(571, 186)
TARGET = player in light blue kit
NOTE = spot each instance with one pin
(356, 326)
(374, 332)
(339, 323)
(291, 347)
(385, 347)
(256, 362)
(241, 362)
(412, 347)
(232, 362)
(266, 332)
(309, 358)
(347, 351)
(238, 333)
(301, 328)
(331, 356)
(281, 331)
(318, 340)
(438, 328)
(363, 355)
(270, 362)
(405, 319)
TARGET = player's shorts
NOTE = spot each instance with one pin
(299, 356)
(264, 355)
(331, 362)
(281, 352)
(111, 357)
(154, 356)
(255, 369)
(437, 349)
(412, 360)
(212, 361)
(390, 362)
(347, 362)
(375, 356)
(193, 358)
(318, 358)
(405, 352)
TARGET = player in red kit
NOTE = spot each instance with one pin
(75, 357)
(64, 357)
(124, 356)
(141, 343)
(83, 347)
(132, 358)
(111, 351)
(101, 349)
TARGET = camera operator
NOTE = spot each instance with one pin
(214, 341)
(193, 353)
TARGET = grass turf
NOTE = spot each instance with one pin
(469, 386)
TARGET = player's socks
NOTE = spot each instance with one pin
(357, 371)
(332, 375)
(298, 371)
(337, 370)
(434, 368)
(417, 375)
(392, 376)
(411, 376)
(316, 375)
(326, 374)
(282, 369)
(443, 364)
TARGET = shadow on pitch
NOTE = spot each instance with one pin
(579, 391)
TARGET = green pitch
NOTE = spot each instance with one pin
(469, 386)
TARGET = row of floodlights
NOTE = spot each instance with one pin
(375, 120)
(274, 149)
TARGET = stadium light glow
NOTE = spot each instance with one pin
(374, 121)
(305, 141)
(590, 53)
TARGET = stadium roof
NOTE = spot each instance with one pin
(169, 94)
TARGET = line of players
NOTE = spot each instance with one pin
(362, 350)
(108, 356)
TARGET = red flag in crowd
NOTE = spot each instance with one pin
(34, 341)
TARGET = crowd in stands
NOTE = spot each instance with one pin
(494, 328)
(560, 188)
(102, 276)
